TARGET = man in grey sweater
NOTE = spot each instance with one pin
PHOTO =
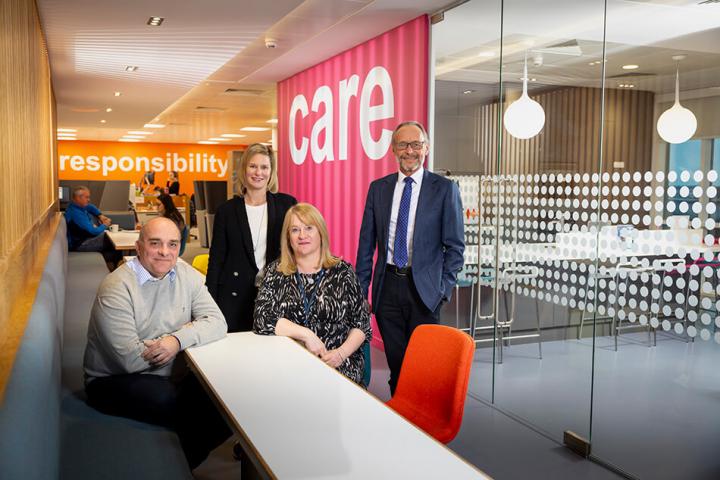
(145, 313)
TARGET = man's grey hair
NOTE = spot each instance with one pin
(78, 189)
(411, 123)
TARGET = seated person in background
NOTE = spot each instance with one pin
(145, 313)
(311, 296)
(167, 209)
(173, 184)
(86, 227)
(147, 183)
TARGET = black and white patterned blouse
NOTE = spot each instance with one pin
(339, 307)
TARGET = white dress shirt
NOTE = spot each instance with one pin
(397, 196)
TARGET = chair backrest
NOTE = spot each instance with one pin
(434, 379)
(200, 263)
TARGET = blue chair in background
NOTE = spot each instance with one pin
(183, 239)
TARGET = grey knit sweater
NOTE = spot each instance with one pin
(125, 313)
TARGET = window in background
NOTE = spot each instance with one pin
(716, 159)
(684, 156)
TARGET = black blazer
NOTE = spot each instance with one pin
(231, 268)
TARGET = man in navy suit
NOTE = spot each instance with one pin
(414, 220)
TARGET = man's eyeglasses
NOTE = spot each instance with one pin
(413, 145)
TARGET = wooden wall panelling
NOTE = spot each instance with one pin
(28, 184)
(570, 140)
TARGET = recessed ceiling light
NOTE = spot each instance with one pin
(155, 21)
(117, 94)
(139, 132)
(66, 138)
(108, 110)
(533, 79)
(468, 92)
(103, 121)
(66, 130)
(131, 68)
(154, 125)
(133, 136)
(254, 129)
(233, 135)
(273, 121)
(486, 54)
(218, 139)
(207, 142)
(630, 67)
(128, 140)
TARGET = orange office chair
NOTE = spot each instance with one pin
(434, 379)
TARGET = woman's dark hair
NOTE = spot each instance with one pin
(171, 211)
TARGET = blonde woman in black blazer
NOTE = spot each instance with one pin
(246, 236)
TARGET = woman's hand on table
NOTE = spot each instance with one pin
(314, 344)
(334, 357)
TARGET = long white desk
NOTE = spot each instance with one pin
(298, 418)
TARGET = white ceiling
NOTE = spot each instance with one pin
(646, 33)
(201, 50)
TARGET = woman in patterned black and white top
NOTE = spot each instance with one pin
(313, 297)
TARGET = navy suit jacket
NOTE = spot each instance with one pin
(438, 240)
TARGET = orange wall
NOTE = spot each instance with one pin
(84, 160)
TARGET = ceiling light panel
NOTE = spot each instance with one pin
(254, 129)
(155, 21)
(233, 135)
(139, 132)
(153, 125)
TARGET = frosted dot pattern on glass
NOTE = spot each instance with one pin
(639, 246)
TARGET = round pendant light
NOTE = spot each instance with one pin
(525, 117)
(677, 124)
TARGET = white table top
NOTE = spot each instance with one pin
(124, 239)
(305, 420)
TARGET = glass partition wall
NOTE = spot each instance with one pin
(592, 275)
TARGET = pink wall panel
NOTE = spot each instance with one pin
(391, 72)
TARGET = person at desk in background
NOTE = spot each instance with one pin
(167, 209)
(311, 296)
(413, 218)
(246, 236)
(145, 313)
(147, 183)
(172, 186)
(86, 227)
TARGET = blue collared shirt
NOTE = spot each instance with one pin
(143, 276)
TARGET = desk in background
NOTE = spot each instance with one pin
(299, 418)
(124, 239)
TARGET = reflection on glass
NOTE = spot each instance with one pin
(597, 239)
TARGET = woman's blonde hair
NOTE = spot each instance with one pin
(252, 150)
(309, 215)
